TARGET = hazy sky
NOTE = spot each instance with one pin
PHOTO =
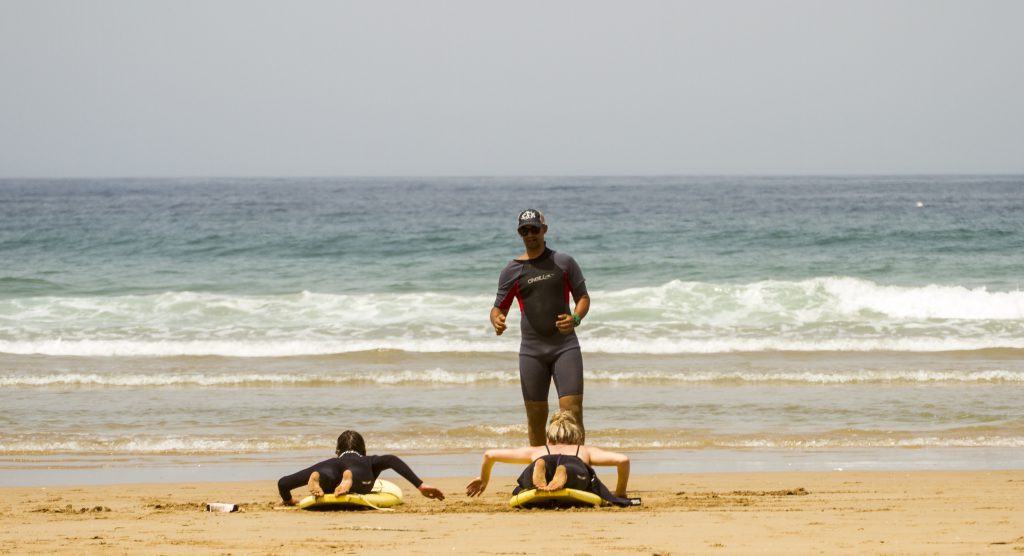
(476, 87)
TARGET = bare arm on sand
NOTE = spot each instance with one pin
(599, 457)
(526, 454)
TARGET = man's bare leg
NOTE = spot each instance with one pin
(346, 483)
(558, 481)
(574, 404)
(314, 484)
(540, 475)
(536, 422)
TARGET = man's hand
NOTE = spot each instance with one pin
(565, 323)
(498, 322)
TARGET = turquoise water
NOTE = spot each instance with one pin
(683, 265)
(90, 237)
(160, 320)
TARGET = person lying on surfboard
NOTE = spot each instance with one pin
(561, 463)
(350, 471)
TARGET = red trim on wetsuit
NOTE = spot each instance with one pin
(512, 293)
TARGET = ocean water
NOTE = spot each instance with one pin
(821, 322)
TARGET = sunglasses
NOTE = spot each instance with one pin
(528, 230)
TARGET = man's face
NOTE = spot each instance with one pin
(533, 237)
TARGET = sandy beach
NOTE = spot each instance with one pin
(957, 512)
(770, 251)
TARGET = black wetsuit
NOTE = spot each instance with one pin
(365, 470)
(544, 286)
(579, 476)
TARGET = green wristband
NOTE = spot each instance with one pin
(577, 319)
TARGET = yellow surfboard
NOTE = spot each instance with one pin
(385, 494)
(564, 498)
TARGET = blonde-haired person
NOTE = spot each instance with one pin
(563, 462)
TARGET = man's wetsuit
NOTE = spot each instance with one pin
(544, 286)
(365, 470)
(579, 476)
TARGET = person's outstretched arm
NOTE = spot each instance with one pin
(478, 485)
(380, 463)
(599, 457)
(286, 484)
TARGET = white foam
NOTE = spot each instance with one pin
(881, 442)
(652, 346)
(112, 446)
(726, 344)
(443, 377)
(848, 377)
(241, 348)
(822, 314)
(136, 445)
(133, 380)
(816, 299)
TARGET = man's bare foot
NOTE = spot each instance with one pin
(540, 475)
(346, 483)
(558, 481)
(314, 484)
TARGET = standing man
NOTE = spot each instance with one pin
(544, 280)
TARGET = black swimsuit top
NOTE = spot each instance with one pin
(593, 484)
(577, 455)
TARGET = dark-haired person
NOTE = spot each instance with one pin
(544, 280)
(563, 462)
(351, 470)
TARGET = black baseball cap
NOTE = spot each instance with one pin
(530, 217)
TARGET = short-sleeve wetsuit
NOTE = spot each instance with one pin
(365, 470)
(544, 286)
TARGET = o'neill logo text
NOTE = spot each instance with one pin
(539, 278)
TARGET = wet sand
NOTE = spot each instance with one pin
(920, 512)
